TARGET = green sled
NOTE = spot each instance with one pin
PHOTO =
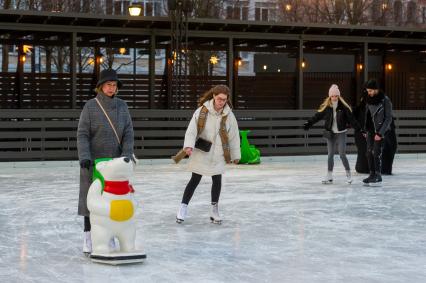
(249, 153)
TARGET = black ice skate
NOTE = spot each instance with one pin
(367, 180)
(376, 181)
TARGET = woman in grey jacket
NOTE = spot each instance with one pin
(96, 137)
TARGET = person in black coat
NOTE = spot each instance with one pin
(378, 118)
(361, 165)
(389, 146)
(389, 149)
(337, 115)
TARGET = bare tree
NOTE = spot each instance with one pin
(61, 58)
(84, 58)
(356, 11)
(353, 12)
(208, 8)
(198, 61)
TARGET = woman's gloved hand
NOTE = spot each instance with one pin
(306, 126)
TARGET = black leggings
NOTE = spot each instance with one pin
(87, 226)
(193, 183)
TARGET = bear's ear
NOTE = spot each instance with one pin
(135, 160)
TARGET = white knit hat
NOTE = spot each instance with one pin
(334, 90)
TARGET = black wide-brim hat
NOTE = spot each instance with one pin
(109, 75)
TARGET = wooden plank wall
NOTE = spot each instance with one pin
(51, 134)
(406, 90)
(264, 91)
(195, 87)
(8, 97)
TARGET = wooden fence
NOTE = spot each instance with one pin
(51, 134)
(264, 91)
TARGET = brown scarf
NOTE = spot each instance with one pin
(222, 132)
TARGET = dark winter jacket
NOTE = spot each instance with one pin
(378, 113)
(344, 118)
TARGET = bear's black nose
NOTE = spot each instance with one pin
(126, 159)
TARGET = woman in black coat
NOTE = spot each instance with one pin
(337, 115)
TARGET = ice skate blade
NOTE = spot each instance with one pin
(179, 221)
(366, 184)
(327, 182)
(118, 258)
(375, 184)
(215, 221)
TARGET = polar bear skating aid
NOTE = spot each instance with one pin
(112, 206)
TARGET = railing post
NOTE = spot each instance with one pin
(73, 52)
(230, 68)
(151, 72)
(299, 71)
(365, 62)
(20, 75)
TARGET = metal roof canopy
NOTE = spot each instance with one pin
(43, 25)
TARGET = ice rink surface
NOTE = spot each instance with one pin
(280, 224)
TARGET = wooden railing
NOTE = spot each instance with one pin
(51, 134)
(263, 91)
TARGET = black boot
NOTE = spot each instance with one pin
(377, 180)
(369, 178)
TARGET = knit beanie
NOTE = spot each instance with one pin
(372, 84)
(334, 90)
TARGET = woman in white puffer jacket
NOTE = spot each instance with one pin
(210, 163)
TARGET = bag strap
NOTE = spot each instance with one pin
(225, 140)
(201, 123)
(109, 120)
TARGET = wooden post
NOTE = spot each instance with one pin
(230, 68)
(382, 83)
(365, 62)
(151, 71)
(299, 75)
(96, 67)
(20, 75)
(73, 51)
(169, 77)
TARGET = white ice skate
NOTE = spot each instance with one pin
(214, 214)
(328, 178)
(182, 212)
(87, 243)
(348, 177)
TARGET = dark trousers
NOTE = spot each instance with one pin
(374, 153)
(87, 226)
(193, 183)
